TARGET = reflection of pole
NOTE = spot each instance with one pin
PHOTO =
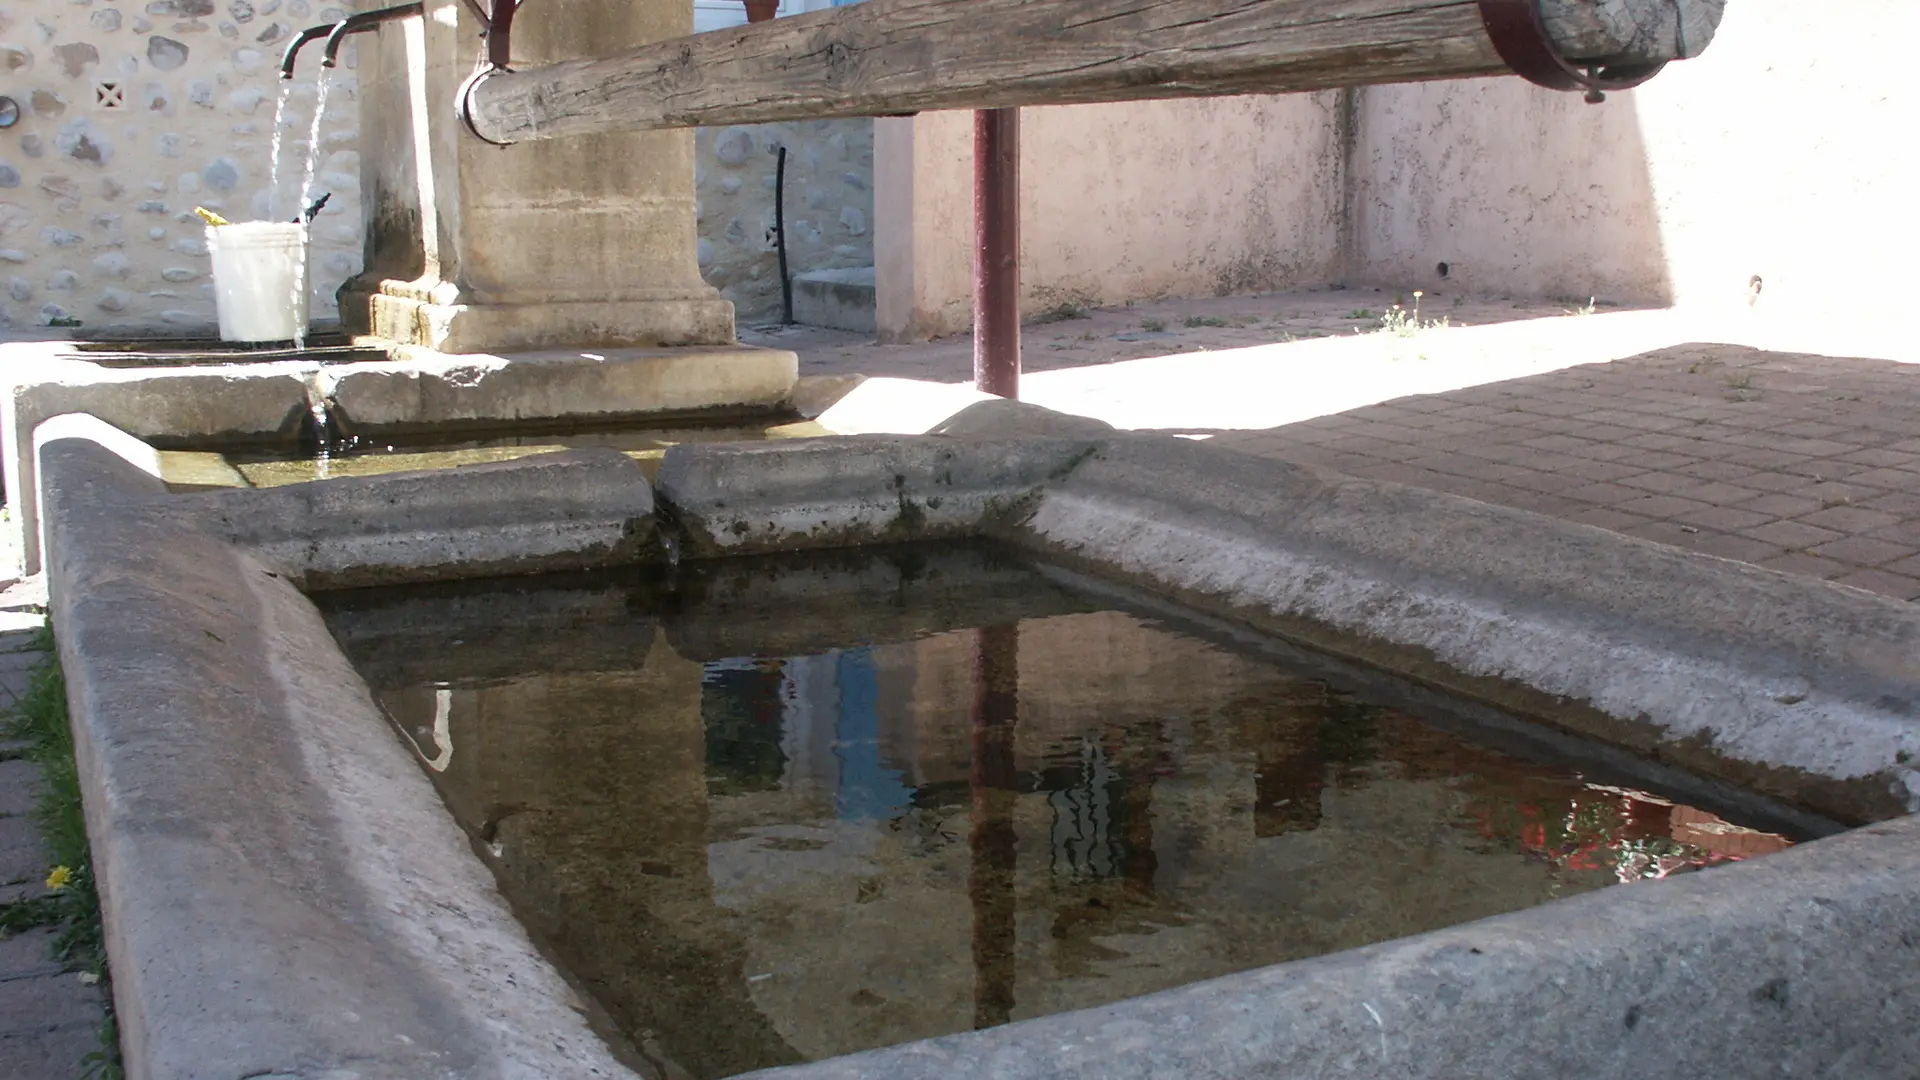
(1136, 801)
(990, 888)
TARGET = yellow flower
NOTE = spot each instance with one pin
(59, 878)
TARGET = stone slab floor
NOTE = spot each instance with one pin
(49, 1019)
(1790, 444)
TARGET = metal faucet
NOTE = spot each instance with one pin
(366, 20)
(299, 42)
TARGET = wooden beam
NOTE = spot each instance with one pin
(899, 56)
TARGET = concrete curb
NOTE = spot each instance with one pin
(248, 402)
(427, 390)
(567, 511)
(1798, 689)
(273, 402)
(286, 895)
(283, 892)
(750, 498)
(1800, 964)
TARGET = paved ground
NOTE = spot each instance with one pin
(49, 1019)
(1670, 428)
(1802, 463)
(1074, 338)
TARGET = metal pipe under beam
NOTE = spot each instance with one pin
(996, 252)
(888, 57)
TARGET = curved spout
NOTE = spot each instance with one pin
(366, 20)
(300, 42)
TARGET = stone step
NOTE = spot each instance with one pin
(841, 299)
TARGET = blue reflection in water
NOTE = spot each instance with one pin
(868, 789)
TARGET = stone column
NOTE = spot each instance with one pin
(559, 243)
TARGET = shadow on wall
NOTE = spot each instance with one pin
(1497, 186)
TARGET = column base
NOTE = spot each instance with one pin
(413, 314)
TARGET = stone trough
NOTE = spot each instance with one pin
(285, 895)
(404, 390)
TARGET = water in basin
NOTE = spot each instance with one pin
(773, 812)
(274, 466)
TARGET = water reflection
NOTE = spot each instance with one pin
(757, 860)
(994, 787)
(330, 453)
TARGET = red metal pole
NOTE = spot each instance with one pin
(996, 251)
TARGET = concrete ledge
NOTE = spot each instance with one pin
(261, 401)
(611, 321)
(422, 389)
(748, 498)
(1795, 688)
(568, 511)
(998, 418)
(283, 893)
(426, 390)
(841, 299)
(1800, 964)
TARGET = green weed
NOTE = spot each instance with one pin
(1062, 312)
(1401, 322)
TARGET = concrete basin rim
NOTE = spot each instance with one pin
(1852, 865)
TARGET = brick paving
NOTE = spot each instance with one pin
(1800, 462)
(1808, 464)
(49, 1019)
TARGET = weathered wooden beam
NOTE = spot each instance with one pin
(899, 56)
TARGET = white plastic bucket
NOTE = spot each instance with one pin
(260, 280)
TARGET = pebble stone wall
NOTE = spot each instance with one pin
(829, 206)
(133, 112)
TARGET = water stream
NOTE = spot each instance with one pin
(279, 129)
(301, 284)
(313, 142)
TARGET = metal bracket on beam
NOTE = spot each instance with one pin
(1520, 37)
(463, 104)
(496, 25)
